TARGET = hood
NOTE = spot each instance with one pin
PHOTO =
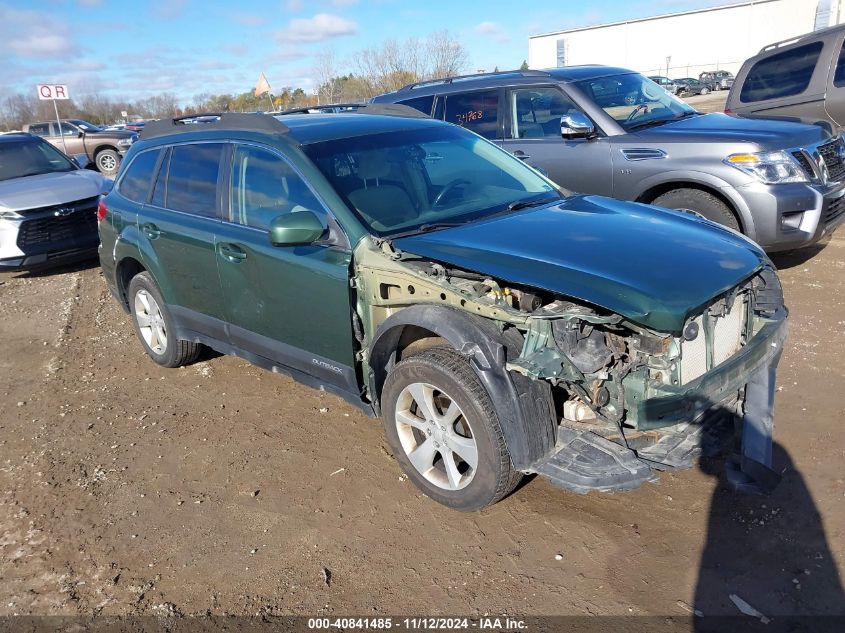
(653, 266)
(118, 134)
(716, 127)
(44, 190)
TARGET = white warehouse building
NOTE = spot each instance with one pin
(687, 43)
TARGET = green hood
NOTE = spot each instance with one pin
(653, 266)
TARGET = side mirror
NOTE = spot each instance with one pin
(296, 228)
(81, 160)
(576, 125)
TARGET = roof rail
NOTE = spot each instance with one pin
(798, 38)
(384, 109)
(449, 80)
(223, 121)
(320, 109)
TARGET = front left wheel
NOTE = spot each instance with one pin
(444, 431)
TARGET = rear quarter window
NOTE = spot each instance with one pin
(781, 75)
(423, 104)
(135, 184)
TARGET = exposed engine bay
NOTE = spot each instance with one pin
(620, 390)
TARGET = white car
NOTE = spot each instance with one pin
(48, 204)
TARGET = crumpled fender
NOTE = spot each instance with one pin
(524, 406)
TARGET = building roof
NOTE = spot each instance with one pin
(653, 17)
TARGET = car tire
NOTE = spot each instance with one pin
(154, 325)
(456, 413)
(705, 91)
(107, 162)
(701, 202)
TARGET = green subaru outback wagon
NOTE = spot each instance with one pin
(499, 325)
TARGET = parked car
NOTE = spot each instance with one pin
(609, 131)
(667, 84)
(104, 148)
(48, 204)
(690, 86)
(717, 79)
(498, 325)
(801, 79)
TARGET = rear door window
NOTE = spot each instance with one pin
(423, 104)
(192, 178)
(135, 185)
(785, 74)
(476, 111)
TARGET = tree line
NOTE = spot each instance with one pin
(383, 68)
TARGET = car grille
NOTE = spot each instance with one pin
(67, 226)
(833, 161)
(805, 163)
(834, 209)
(726, 334)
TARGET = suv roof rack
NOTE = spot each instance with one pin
(318, 109)
(449, 80)
(799, 38)
(218, 121)
(384, 109)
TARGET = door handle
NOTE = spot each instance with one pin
(521, 155)
(231, 252)
(150, 230)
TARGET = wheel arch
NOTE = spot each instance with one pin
(524, 406)
(652, 188)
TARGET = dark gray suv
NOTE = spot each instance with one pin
(611, 131)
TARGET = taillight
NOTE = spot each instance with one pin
(101, 210)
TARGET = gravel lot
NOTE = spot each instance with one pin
(220, 488)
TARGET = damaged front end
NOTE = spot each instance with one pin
(626, 400)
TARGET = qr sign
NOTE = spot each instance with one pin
(52, 91)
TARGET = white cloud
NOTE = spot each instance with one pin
(34, 34)
(323, 26)
(492, 30)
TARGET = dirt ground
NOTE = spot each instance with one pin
(221, 488)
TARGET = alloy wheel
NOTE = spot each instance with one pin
(150, 322)
(436, 436)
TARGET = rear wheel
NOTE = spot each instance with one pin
(701, 202)
(444, 432)
(154, 325)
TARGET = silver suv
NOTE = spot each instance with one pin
(611, 131)
(48, 204)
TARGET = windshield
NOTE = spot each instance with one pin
(635, 101)
(84, 125)
(407, 181)
(30, 158)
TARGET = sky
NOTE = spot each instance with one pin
(138, 48)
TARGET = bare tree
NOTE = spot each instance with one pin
(447, 56)
(326, 75)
